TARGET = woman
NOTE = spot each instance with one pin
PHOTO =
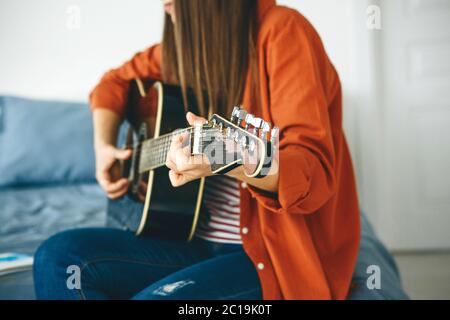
(291, 235)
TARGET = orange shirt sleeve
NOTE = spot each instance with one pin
(298, 75)
(112, 90)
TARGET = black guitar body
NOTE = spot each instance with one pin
(156, 209)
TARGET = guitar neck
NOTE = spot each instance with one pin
(153, 152)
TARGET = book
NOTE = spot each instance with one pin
(14, 262)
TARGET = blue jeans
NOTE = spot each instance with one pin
(116, 264)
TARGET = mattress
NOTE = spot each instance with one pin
(28, 216)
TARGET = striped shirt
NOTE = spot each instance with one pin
(219, 220)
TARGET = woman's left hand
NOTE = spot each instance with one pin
(183, 166)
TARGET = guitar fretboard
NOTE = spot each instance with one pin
(153, 152)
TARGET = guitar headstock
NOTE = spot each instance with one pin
(244, 139)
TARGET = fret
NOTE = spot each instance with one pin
(154, 152)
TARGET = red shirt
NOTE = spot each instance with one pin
(304, 240)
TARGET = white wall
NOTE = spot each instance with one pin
(42, 56)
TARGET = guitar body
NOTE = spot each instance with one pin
(153, 207)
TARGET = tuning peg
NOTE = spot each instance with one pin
(238, 115)
(241, 116)
(235, 114)
(258, 123)
(265, 130)
(248, 120)
(274, 135)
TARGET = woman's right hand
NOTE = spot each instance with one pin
(108, 170)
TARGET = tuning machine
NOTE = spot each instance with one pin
(238, 115)
(212, 123)
(258, 123)
(274, 135)
(266, 127)
(248, 121)
(235, 114)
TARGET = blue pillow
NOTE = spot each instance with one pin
(45, 142)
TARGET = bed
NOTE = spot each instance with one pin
(47, 184)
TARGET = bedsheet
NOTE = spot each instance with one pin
(28, 216)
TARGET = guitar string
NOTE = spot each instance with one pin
(151, 149)
(157, 158)
(160, 146)
(152, 145)
(165, 136)
(155, 153)
(158, 152)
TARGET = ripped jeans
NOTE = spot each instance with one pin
(113, 264)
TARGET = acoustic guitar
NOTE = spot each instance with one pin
(155, 113)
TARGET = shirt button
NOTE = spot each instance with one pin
(260, 266)
(244, 185)
(244, 230)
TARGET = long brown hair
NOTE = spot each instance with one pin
(210, 49)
